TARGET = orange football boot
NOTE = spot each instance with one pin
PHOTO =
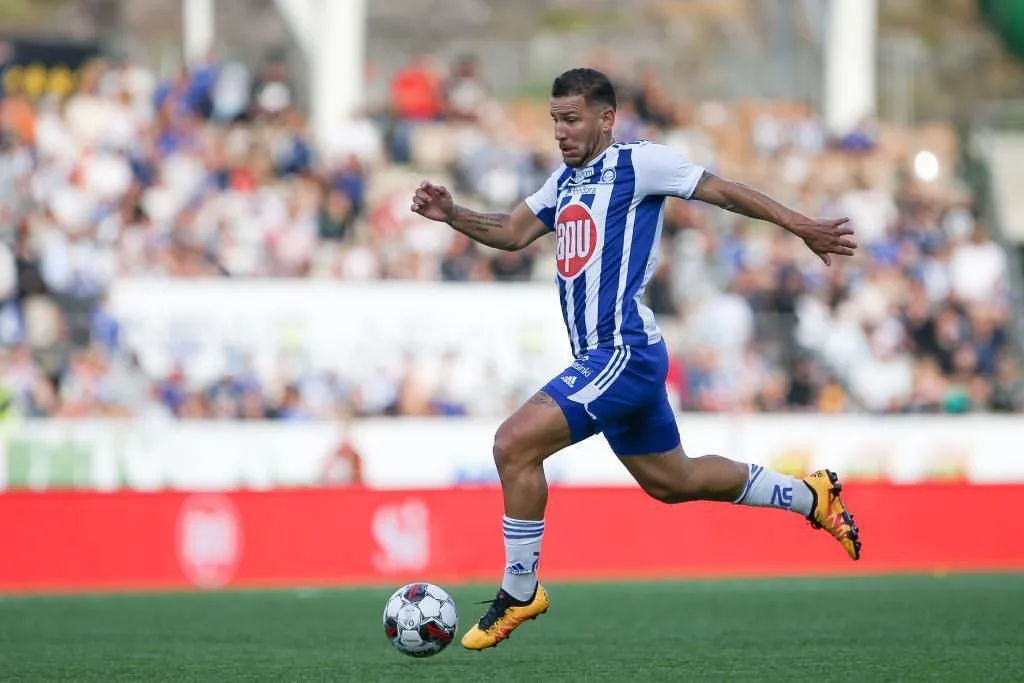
(502, 617)
(828, 511)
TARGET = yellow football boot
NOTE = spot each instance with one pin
(502, 617)
(829, 513)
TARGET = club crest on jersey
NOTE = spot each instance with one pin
(576, 240)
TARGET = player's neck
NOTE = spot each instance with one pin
(601, 148)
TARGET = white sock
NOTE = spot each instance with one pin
(522, 552)
(768, 489)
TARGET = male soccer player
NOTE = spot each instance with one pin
(604, 205)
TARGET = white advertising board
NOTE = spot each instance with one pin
(441, 452)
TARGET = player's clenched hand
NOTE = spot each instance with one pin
(826, 236)
(433, 202)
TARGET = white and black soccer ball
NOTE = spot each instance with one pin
(420, 619)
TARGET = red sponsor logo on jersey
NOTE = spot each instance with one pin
(576, 232)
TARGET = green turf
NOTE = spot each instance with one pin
(911, 628)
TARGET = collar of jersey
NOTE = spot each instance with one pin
(599, 159)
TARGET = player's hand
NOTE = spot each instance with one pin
(826, 236)
(433, 202)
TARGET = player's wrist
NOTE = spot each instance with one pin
(451, 214)
(795, 224)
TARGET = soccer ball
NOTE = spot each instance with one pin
(420, 619)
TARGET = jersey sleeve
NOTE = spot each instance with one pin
(663, 171)
(543, 201)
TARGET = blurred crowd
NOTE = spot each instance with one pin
(216, 170)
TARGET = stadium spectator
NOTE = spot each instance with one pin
(465, 94)
(345, 465)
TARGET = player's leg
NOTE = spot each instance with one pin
(535, 431)
(522, 443)
(672, 477)
(541, 427)
(648, 445)
(633, 412)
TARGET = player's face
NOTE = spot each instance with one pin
(582, 131)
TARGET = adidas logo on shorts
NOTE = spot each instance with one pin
(569, 379)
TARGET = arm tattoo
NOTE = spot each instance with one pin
(485, 228)
(542, 399)
(471, 220)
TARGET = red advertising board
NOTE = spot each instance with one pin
(125, 540)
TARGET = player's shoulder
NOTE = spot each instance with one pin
(650, 160)
(646, 149)
(632, 144)
(649, 157)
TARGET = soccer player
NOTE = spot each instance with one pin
(604, 205)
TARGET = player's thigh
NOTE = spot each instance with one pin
(647, 443)
(574, 388)
(650, 427)
(536, 430)
(601, 387)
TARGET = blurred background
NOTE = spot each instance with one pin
(210, 279)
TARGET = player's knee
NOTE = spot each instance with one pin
(510, 447)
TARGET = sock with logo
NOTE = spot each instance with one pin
(522, 552)
(766, 488)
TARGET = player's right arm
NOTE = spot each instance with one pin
(506, 231)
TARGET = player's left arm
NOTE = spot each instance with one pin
(664, 171)
(824, 236)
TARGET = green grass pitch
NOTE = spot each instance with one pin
(893, 628)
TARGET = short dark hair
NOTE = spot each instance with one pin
(591, 83)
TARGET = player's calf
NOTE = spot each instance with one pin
(672, 477)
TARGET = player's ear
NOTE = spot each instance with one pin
(608, 120)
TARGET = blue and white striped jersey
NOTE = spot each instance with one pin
(607, 219)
